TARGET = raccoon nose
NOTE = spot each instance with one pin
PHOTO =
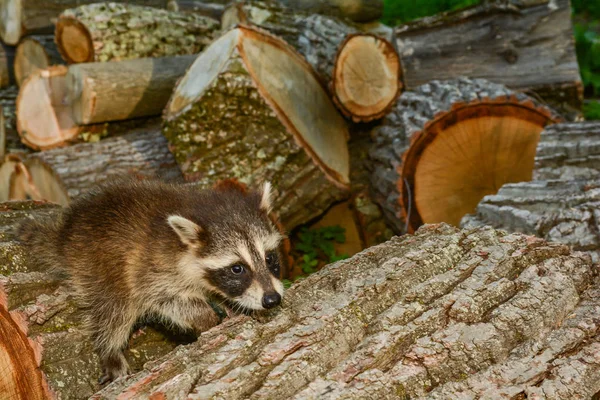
(271, 300)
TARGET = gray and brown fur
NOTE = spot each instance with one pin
(134, 249)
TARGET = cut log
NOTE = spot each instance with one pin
(22, 17)
(569, 151)
(565, 211)
(34, 53)
(49, 324)
(529, 48)
(448, 144)
(444, 314)
(83, 34)
(62, 174)
(366, 79)
(7, 57)
(355, 10)
(251, 108)
(53, 104)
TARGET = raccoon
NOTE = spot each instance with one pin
(135, 249)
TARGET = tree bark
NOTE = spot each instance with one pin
(228, 117)
(449, 143)
(7, 57)
(442, 314)
(210, 8)
(83, 35)
(33, 53)
(529, 48)
(45, 304)
(355, 10)
(565, 211)
(22, 17)
(8, 98)
(62, 174)
(569, 151)
(112, 91)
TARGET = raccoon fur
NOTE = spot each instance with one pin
(134, 249)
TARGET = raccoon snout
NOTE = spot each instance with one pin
(271, 300)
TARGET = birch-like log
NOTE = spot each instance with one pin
(251, 108)
(112, 31)
(34, 53)
(447, 144)
(443, 314)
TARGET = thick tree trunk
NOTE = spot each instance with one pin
(60, 175)
(362, 70)
(7, 59)
(21, 17)
(447, 145)
(83, 35)
(45, 304)
(440, 315)
(529, 48)
(112, 91)
(569, 151)
(33, 53)
(278, 124)
(565, 211)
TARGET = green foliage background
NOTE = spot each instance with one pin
(586, 24)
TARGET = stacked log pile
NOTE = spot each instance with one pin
(351, 122)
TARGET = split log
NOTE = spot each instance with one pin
(53, 104)
(529, 48)
(22, 17)
(49, 328)
(7, 57)
(355, 10)
(569, 151)
(362, 69)
(61, 174)
(34, 53)
(443, 314)
(251, 108)
(565, 211)
(84, 34)
(448, 144)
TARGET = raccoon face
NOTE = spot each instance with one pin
(236, 252)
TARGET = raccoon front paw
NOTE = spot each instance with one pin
(113, 367)
(208, 320)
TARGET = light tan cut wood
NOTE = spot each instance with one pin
(8, 164)
(33, 54)
(279, 124)
(119, 90)
(83, 35)
(43, 119)
(366, 78)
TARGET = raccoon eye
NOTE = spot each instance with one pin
(237, 269)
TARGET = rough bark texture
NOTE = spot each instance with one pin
(7, 56)
(209, 8)
(569, 151)
(8, 99)
(84, 34)
(46, 304)
(62, 174)
(403, 126)
(355, 10)
(529, 48)
(33, 53)
(563, 211)
(442, 314)
(254, 138)
(22, 17)
(112, 91)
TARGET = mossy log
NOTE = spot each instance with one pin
(33, 53)
(564, 211)
(60, 175)
(7, 59)
(443, 314)
(361, 70)
(112, 31)
(22, 17)
(447, 144)
(528, 47)
(569, 151)
(49, 347)
(251, 108)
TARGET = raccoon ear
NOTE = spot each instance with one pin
(188, 231)
(265, 197)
